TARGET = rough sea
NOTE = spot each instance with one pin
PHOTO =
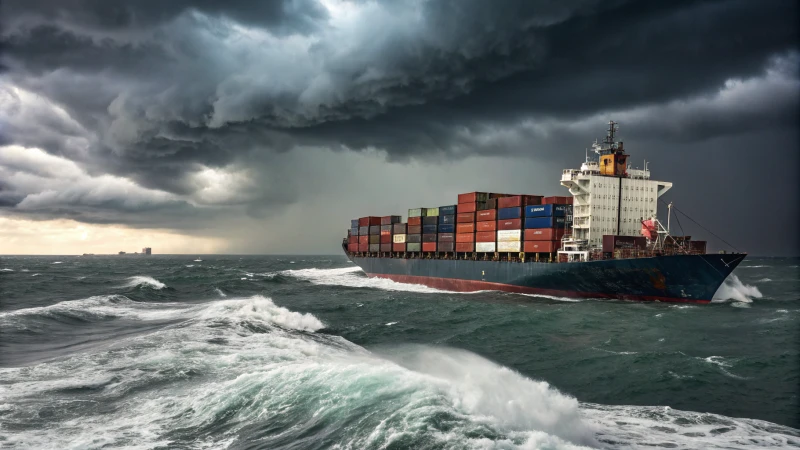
(303, 352)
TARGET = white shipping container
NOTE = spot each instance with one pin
(509, 246)
(485, 247)
(415, 212)
(399, 238)
(509, 236)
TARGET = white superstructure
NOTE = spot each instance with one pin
(609, 197)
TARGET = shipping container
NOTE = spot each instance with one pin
(399, 239)
(612, 242)
(374, 248)
(510, 224)
(509, 213)
(432, 212)
(354, 231)
(430, 220)
(399, 228)
(491, 204)
(388, 220)
(489, 225)
(545, 222)
(386, 239)
(472, 197)
(447, 228)
(552, 200)
(541, 246)
(485, 236)
(447, 237)
(374, 229)
(488, 214)
(497, 195)
(484, 247)
(544, 234)
(354, 223)
(363, 239)
(429, 237)
(698, 246)
(467, 207)
(430, 229)
(465, 247)
(414, 229)
(414, 221)
(509, 235)
(399, 247)
(363, 247)
(450, 218)
(352, 247)
(519, 201)
(386, 248)
(449, 210)
(414, 247)
(546, 210)
(385, 228)
(446, 246)
(418, 212)
(429, 246)
(465, 237)
(353, 240)
(465, 228)
(465, 217)
(413, 239)
(363, 231)
(369, 220)
(374, 238)
(509, 246)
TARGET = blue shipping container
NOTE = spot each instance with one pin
(509, 213)
(363, 231)
(429, 229)
(447, 228)
(447, 210)
(545, 210)
(545, 222)
(354, 231)
(354, 223)
(447, 219)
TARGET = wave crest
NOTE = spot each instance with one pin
(144, 281)
(734, 290)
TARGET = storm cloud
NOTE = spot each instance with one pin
(218, 116)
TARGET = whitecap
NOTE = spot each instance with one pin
(57, 262)
(764, 280)
(391, 323)
(198, 260)
(219, 292)
(144, 281)
(753, 267)
(734, 290)
(354, 277)
(36, 275)
(189, 265)
(6, 270)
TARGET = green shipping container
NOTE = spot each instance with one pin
(413, 247)
(432, 212)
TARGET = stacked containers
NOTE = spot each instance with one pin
(486, 231)
(369, 234)
(387, 231)
(352, 239)
(447, 228)
(544, 226)
(414, 229)
(399, 237)
(509, 229)
(469, 205)
(430, 229)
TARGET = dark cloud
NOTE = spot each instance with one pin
(160, 92)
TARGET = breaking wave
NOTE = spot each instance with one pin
(354, 277)
(734, 290)
(144, 281)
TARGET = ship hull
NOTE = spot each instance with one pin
(675, 278)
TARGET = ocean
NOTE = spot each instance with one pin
(306, 352)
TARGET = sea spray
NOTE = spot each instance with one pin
(733, 289)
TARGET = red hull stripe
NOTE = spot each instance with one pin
(459, 285)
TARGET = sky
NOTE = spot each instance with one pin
(197, 126)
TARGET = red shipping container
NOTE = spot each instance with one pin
(555, 200)
(465, 247)
(496, 195)
(429, 246)
(363, 247)
(465, 237)
(485, 236)
(363, 240)
(388, 220)
(569, 201)
(486, 214)
(353, 240)
(386, 247)
(352, 247)
(414, 221)
(465, 227)
(509, 224)
(541, 246)
(489, 225)
(467, 207)
(465, 217)
(386, 239)
(415, 229)
(472, 197)
(544, 234)
(386, 232)
(519, 200)
(368, 221)
(398, 247)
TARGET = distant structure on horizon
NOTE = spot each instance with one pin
(121, 253)
(147, 251)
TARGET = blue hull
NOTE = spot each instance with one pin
(675, 278)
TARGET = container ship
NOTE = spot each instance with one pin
(604, 240)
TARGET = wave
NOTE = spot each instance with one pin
(246, 372)
(6, 270)
(753, 267)
(764, 280)
(144, 281)
(354, 277)
(732, 289)
(56, 262)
